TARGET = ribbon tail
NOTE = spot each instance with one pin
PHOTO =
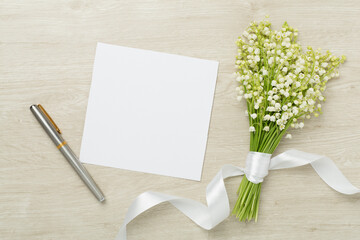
(323, 166)
(206, 217)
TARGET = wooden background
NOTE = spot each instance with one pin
(46, 56)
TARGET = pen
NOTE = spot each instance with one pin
(54, 133)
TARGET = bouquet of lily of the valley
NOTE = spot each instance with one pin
(282, 85)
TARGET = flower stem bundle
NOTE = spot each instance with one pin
(283, 85)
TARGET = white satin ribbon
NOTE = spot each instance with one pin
(257, 166)
(218, 208)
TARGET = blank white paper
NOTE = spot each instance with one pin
(148, 111)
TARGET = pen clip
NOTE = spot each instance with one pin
(50, 119)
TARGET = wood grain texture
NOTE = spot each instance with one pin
(46, 56)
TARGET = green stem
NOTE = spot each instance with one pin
(247, 205)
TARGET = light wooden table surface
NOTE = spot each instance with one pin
(46, 56)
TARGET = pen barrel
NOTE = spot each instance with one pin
(67, 152)
(82, 172)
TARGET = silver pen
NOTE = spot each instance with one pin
(54, 133)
